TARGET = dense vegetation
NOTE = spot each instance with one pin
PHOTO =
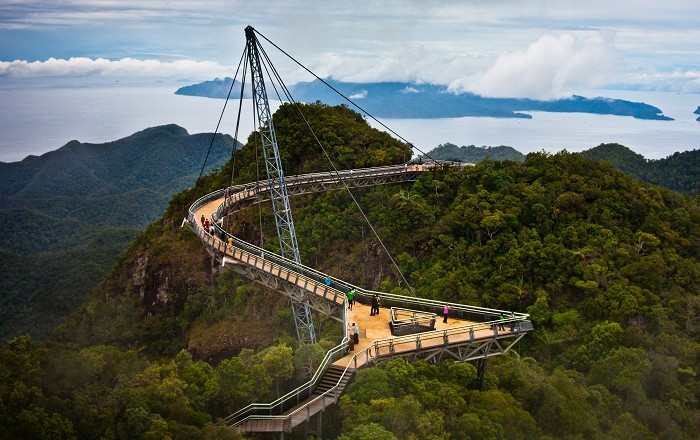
(607, 266)
(69, 213)
(473, 154)
(678, 172)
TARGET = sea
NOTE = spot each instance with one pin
(38, 118)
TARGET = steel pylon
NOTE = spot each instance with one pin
(278, 192)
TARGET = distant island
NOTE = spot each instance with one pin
(474, 154)
(425, 101)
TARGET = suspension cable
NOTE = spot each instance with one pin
(343, 96)
(238, 120)
(216, 130)
(345, 185)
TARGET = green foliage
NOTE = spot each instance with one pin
(607, 266)
(69, 213)
(602, 263)
(678, 172)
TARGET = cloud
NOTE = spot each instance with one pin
(409, 89)
(550, 68)
(418, 64)
(125, 67)
(680, 81)
(359, 95)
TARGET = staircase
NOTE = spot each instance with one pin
(303, 411)
(331, 378)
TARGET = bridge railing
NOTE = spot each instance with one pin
(397, 345)
(264, 260)
(364, 296)
(240, 193)
(407, 321)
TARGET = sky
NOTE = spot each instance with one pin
(542, 49)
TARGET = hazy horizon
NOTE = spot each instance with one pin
(43, 119)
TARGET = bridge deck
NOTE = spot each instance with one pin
(373, 328)
(461, 339)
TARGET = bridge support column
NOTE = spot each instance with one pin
(480, 370)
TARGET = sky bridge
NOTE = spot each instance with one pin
(417, 331)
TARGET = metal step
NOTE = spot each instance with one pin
(330, 379)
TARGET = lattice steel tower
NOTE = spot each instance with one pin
(278, 192)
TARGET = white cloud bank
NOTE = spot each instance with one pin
(553, 66)
(126, 67)
(550, 68)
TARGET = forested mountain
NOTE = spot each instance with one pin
(68, 213)
(473, 154)
(679, 172)
(607, 266)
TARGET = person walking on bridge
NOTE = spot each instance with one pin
(502, 322)
(351, 298)
(356, 332)
(445, 312)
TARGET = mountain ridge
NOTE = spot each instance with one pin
(677, 172)
(81, 193)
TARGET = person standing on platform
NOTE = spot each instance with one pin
(375, 306)
(351, 338)
(445, 312)
(328, 281)
(356, 332)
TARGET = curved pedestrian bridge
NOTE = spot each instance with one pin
(471, 333)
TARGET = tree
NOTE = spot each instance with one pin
(371, 431)
(307, 358)
(278, 362)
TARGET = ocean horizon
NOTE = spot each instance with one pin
(36, 120)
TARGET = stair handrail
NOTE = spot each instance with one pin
(233, 419)
(287, 417)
